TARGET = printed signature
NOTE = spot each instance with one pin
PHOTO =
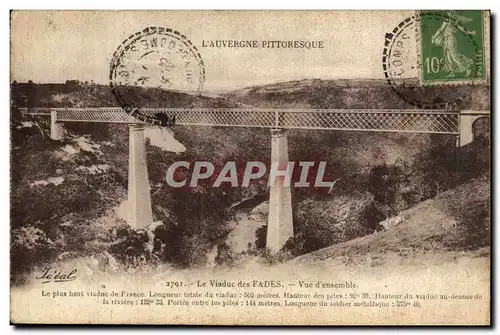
(51, 274)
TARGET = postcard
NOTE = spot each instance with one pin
(250, 167)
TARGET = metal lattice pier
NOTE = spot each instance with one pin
(381, 120)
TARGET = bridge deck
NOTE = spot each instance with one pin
(382, 120)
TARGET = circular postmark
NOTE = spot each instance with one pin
(150, 62)
(420, 56)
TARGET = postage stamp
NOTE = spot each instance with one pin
(154, 58)
(431, 48)
(452, 48)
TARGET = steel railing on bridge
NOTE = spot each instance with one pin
(382, 120)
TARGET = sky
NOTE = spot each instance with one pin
(53, 46)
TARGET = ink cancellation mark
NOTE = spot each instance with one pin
(407, 56)
(155, 59)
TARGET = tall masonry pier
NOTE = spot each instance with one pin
(139, 199)
(280, 221)
(56, 128)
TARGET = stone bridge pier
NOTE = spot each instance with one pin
(280, 220)
(139, 198)
(57, 130)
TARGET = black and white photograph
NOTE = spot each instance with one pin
(250, 167)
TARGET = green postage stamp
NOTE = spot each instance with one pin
(452, 46)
